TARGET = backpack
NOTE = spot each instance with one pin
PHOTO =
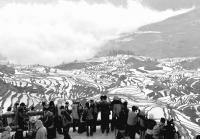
(142, 122)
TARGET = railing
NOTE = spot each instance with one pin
(37, 113)
(14, 127)
(30, 113)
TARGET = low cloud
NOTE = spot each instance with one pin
(64, 31)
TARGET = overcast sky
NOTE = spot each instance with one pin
(62, 31)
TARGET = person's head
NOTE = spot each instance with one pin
(104, 97)
(9, 109)
(51, 104)
(74, 101)
(91, 101)
(162, 120)
(16, 104)
(170, 122)
(125, 103)
(22, 104)
(134, 109)
(32, 108)
(101, 98)
(38, 124)
(62, 108)
(43, 103)
(66, 103)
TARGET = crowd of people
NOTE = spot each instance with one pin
(125, 122)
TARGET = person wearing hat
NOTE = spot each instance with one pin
(41, 130)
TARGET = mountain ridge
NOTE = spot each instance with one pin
(174, 37)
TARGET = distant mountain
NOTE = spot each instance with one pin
(76, 65)
(175, 37)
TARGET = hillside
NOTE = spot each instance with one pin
(175, 37)
(76, 65)
(7, 69)
(170, 91)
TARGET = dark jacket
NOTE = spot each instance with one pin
(104, 108)
(66, 119)
(116, 106)
(88, 114)
(120, 122)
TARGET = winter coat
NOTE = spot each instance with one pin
(126, 110)
(142, 121)
(116, 107)
(41, 132)
(150, 125)
(105, 108)
(88, 114)
(49, 121)
(132, 118)
(120, 122)
(66, 119)
(169, 132)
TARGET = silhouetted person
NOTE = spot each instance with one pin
(67, 107)
(20, 120)
(132, 122)
(142, 123)
(49, 124)
(126, 111)
(95, 113)
(116, 106)
(121, 124)
(75, 115)
(89, 118)
(105, 112)
(150, 125)
(169, 130)
(66, 121)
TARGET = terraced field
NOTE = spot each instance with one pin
(167, 91)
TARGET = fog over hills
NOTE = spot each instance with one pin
(44, 32)
(174, 37)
